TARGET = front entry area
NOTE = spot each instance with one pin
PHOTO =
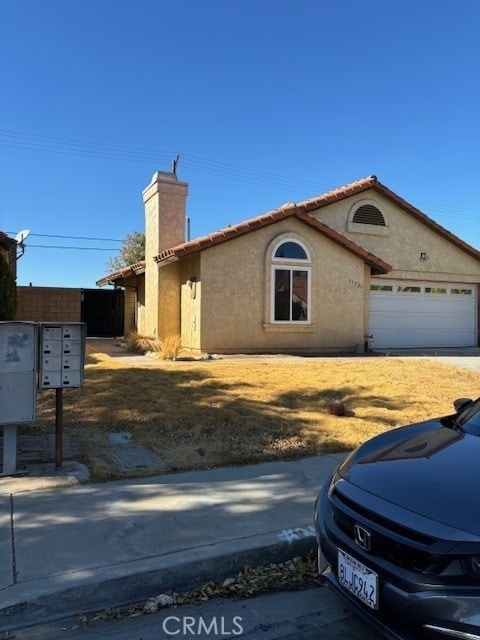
(422, 314)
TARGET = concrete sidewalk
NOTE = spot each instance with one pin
(88, 547)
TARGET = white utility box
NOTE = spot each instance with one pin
(18, 370)
(62, 355)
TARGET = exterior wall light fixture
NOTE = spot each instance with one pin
(192, 284)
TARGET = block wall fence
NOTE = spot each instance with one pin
(49, 304)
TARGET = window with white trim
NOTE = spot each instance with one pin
(291, 284)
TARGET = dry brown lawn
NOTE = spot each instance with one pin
(197, 415)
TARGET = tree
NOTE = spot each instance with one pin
(8, 292)
(132, 250)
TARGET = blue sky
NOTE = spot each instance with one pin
(265, 101)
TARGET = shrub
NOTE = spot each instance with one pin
(171, 345)
(167, 348)
(137, 342)
(8, 292)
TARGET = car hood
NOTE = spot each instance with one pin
(429, 469)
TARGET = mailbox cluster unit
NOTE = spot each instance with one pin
(62, 355)
(47, 355)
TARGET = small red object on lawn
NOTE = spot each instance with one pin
(336, 408)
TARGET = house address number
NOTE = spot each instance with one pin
(355, 283)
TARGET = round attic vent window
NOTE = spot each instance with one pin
(368, 214)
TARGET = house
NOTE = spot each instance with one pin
(8, 249)
(354, 264)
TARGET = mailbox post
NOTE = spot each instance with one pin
(18, 371)
(61, 364)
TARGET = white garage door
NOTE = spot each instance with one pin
(422, 314)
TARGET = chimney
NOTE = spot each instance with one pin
(164, 200)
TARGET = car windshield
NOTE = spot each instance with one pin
(469, 419)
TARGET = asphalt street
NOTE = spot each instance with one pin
(314, 614)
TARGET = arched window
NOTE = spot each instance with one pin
(291, 250)
(290, 282)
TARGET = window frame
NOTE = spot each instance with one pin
(278, 244)
(290, 265)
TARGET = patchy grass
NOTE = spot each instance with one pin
(199, 415)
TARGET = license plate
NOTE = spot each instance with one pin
(358, 579)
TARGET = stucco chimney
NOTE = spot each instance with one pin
(165, 201)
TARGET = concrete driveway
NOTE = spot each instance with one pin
(468, 357)
(460, 357)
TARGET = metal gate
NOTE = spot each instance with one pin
(103, 312)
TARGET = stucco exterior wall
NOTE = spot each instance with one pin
(407, 238)
(164, 201)
(169, 300)
(235, 295)
(191, 295)
(141, 325)
(151, 317)
(366, 299)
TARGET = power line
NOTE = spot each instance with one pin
(220, 174)
(147, 153)
(46, 235)
(51, 246)
(51, 144)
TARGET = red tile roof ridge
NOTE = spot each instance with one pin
(342, 240)
(132, 269)
(340, 192)
(372, 182)
(399, 201)
(265, 220)
(301, 210)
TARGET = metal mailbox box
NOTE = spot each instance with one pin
(62, 355)
(18, 370)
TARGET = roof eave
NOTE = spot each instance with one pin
(136, 269)
(291, 210)
(422, 217)
(373, 183)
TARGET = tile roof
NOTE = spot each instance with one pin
(132, 270)
(301, 211)
(287, 211)
(378, 265)
(372, 182)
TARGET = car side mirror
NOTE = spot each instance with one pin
(461, 403)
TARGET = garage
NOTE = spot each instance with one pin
(422, 314)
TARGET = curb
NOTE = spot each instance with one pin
(119, 585)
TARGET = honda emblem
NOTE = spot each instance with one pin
(362, 537)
